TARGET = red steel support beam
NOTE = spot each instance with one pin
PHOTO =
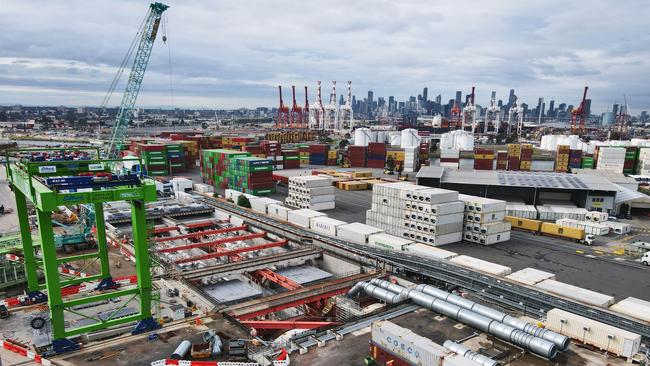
(213, 243)
(224, 253)
(293, 304)
(164, 229)
(199, 224)
(202, 233)
(281, 280)
(286, 324)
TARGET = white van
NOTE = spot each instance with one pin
(646, 258)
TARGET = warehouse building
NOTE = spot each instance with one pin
(593, 192)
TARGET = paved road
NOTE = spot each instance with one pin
(619, 279)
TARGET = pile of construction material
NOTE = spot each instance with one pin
(429, 215)
(314, 192)
(484, 220)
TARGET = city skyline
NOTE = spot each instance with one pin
(394, 49)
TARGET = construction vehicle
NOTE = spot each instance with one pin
(78, 236)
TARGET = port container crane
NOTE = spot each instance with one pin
(283, 112)
(296, 110)
(469, 114)
(579, 116)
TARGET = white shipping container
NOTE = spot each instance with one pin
(444, 229)
(447, 208)
(605, 337)
(322, 206)
(523, 211)
(260, 204)
(438, 240)
(618, 227)
(597, 216)
(435, 195)
(407, 345)
(458, 360)
(303, 216)
(491, 239)
(530, 276)
(232, 195)
(428, 251)
(277, 211)
(356, 232)
(310, 181)
(202, 188)
(493, 227)
(447, 219)
(318, 190)
(325, 225)
(387, 241)
(633, 307)
(481, 265)
(576, 293)
(486, 218)
(482, 204)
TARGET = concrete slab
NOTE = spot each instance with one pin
(231, 291)
(304, 275)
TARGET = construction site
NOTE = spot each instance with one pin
(325, 237)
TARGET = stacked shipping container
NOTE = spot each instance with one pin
(526, 157)
(575, 159)
(610, 158)
(215, 163)
(562, 158)
(290, 159)
(484, 220)
(318, 154)
(251, 175)
(357, 155)
(502, 160)
(376, 155)
(514, 154)
(428, 215)
(629, 165)
(483, 159)
(449, 158)
(313, 192)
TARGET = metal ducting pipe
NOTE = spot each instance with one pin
(468, 353)
(558, 339)
(376, 292)
(536, 345)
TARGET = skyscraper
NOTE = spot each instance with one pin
(511, 98)
(615, 109)
(459, 98)
(587, 107)
(391, 104)
(551, 110)
(425, 94)
(369, 102)
(540, 108)
(439, 99)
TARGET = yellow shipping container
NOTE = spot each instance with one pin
(331, 154)
(526, 146)
(563, 231)
(361, 174)
(524, 224)
(354, 185)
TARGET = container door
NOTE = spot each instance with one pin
(628, 348)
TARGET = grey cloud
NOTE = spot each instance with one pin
(231, 54)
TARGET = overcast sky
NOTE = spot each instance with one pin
(234, 53)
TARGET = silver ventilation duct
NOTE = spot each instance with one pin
(536, 345)
(376, 292)
(468, 353)
(558, 339)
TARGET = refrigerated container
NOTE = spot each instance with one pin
(520, 210)
(428, 251)
(302, 217)
(633, 307)
(603, 336)
(356, 232)
(387, 241)
(407, 345)
(325, 225)
(448, 208)
(278, 211)
(492, 228)
(530, 276)
(597, 216)
(481, 265)
(260, 204)
(481, 204)
(576, 293)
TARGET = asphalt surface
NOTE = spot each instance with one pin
(606, 275)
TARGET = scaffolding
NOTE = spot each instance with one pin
(50, 178)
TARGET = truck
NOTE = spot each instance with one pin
(549, 229)
(645, 259)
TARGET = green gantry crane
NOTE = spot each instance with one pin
(90, 182)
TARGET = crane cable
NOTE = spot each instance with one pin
(169, 59)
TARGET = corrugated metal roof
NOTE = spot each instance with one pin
(625, 195)
(229, 291)
(520, 179)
